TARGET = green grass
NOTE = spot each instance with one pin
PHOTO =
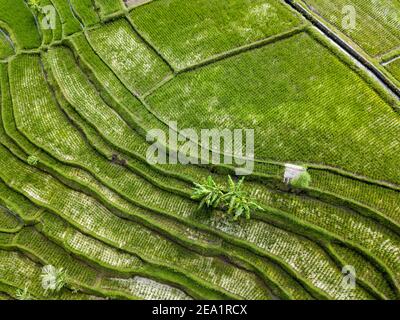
(365, 270)
(394, 68)
(381, 199)
(305, 105)
(84, 9)
(70, 24)
(18, 204)
(271, 270)
(379, 241)
(53, 131)
(129, 236)
(93, 250)
(84, 276)
(47, 34)
(8, 221)
(58, 121)
(19, 22)
(377, 23)
(108, 84)
(74, 150)
(91, 89)
(200, 29)
(83, 97)
(123, 50)
(26, 60)
(114, 199)
(19, 271)
(70, 86)
(328, 182)
(6, 47)
(108, 7)
(64, 203)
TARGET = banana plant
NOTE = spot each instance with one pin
(238, 201)
(210, 194)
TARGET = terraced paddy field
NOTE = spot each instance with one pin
(369, 27)
(82, 84)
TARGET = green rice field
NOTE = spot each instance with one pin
(84, 203)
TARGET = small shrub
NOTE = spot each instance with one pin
(53, 279)
(302, 181)
(23, 294)
(33, 160)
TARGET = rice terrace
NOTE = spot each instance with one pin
(200, 149)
